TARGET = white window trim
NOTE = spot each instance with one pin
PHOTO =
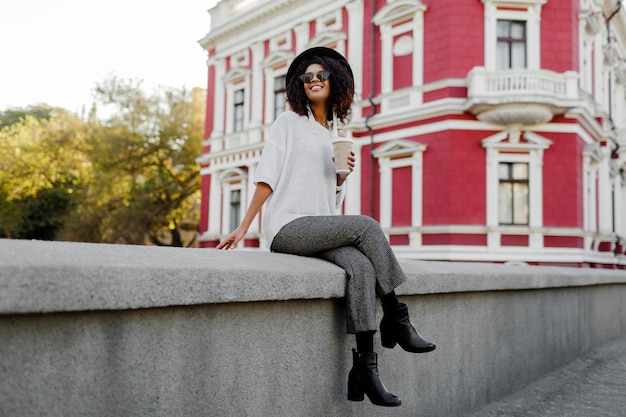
(530, 152)
(321, 22)
(228, 184)
(235, 80)
(240, 60)
(275, 65)
(270, 76)
(591, 159)
(282, 42)
(331, 39)
(532, 17)
(392, 13)
(389, 158)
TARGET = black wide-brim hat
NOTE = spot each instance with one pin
(319, 51)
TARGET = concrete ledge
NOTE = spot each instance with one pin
(41, 276)
(111, 330)
(38, 276)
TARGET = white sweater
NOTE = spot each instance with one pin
(297, 164)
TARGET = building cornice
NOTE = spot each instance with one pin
(398, 10)
(399, 147)
(227, 19)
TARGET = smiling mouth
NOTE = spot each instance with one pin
(316, 87)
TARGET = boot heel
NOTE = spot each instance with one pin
(387, 339)
(364, 380)
(396, 327)
(354, 392)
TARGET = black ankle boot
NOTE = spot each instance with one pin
(396, 327)
(365, 379)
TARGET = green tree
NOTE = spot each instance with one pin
(145, 183)
(131, 178)
(15, 115)
(43, 167)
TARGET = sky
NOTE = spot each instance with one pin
(55, 51)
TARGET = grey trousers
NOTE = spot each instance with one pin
(358, 245)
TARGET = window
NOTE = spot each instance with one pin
(514, 174)
(239, 110)
(235, 209)
(511, 47)
(513, 193)
(231, 185)
(279, 95)
(401, 180)
(512, 34)
(238, 83)
(274, 74)
(401, 25)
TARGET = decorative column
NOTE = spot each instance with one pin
(417, 200)
(215, 205)
(250, 188)
(493, 236)
(605, 219)
(256, 98)
(356, 24)
(535, 203)
(218, 98)
(302, 36)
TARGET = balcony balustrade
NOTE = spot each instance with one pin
(521, 97)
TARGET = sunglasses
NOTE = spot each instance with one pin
(309, 76)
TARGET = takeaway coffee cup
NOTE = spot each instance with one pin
(343, 147)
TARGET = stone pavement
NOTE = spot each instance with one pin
(593, 385)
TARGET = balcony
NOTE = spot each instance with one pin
(521, 97)
(233, 149)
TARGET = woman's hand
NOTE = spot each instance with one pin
(231, 241)
(261, 193)
(351, 161)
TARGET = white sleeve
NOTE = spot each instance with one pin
(272, 159)
(340, 195)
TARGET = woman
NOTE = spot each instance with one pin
(296, 180)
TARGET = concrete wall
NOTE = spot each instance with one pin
(112, 330)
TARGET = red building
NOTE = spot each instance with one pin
(485, 130)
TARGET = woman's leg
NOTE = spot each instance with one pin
(357, 245)
(311, 235)
(364, 378)
(360, 287)
(314, 235)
